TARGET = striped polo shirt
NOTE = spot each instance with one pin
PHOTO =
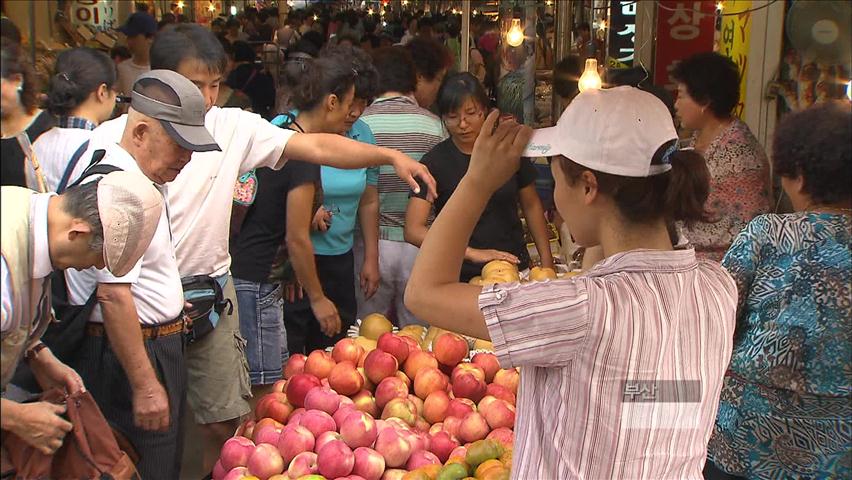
(621, 367)
(401, 124)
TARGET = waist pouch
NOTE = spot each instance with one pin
(208, 302)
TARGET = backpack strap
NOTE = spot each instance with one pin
(72, 164)
(95, 168)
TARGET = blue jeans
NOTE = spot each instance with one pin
(261, 320)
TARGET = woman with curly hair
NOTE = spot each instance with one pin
(786, 404)
(708, 91)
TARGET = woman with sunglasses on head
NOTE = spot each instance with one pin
(81, 95)
(498, 235)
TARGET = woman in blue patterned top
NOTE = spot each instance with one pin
(786, 406)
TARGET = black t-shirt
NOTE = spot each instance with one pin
(253, 249)
(499, 227)
(12, 159)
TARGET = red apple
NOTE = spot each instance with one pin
(474, 427)
(421, 458)
(369, 463)
(335, 459)
(460, 407)
(321, 398)
(466, 367)
(508, 378)
(296, 416)
(503, 435)
(345, 378)
(295, 365)
(279, 386)
(267, 434)
(319, 364)
(489, 364)
(429, 380)
(501, 392)
(435, 406)
(265, 461)
(236, 452)
(237, 473)
(295, 439)
(365, 402)
(273, 405)
(303, 464)
(359, 430)
(347, 350)
(449, 349)
(452, 425)
(412, 344)
(467, 385)
(394, 345)
(500, 414)
(299, 386)
(219, 471)
(418, 360)
(318, 422)
(341, 414)
(393, 447)
(379, 365)
(441, 444)
(388, 389)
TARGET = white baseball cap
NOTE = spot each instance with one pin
(622, 131)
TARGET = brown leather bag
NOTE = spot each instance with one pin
(90, 450)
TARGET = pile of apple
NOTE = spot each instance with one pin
(391, 413)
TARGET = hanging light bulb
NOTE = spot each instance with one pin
(180, 5)
(515, 36)
(602, 24)
(720, 6)
(590, 79)
(549, 3)
(211, 8)
(316, 17)
(475, 13)
(370, 11)
(404, 3)
(233, 10)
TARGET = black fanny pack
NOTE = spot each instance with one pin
(208, 303)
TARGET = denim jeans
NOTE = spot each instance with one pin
(261, 320)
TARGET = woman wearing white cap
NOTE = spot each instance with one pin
(622, 366)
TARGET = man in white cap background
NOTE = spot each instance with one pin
(132, 358)
(105, 224)
(200, 202)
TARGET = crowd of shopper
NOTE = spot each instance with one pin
(312, 170)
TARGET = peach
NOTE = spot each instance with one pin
(379, 365)
(347, 349)
(421, 458)
(279, 386)
(467, 385)
(435, 406)
(237, 473)
(236, 452)
(273, 405)
(319, 364)
(418, 404)
(401, 408)
(459, 452)
(503, 435)
(326, 437)
(393, 447)
(321, 398)
(295, 439)
(369, 463)
(418, 360)
(436, 427)
(317, 422)
(485, 403)
(341, 414)
(246, 429)
(413, 345)
(452, 425)
(265, 461)
(421, 425)
(394, 474)
(428, 380)
(489, 363)
(358, 430)
(266, 434)
(394, 345)
(365, 402)
(500, 414)
(441, 444)
(466, 367)
(449, 349)
(219, 471)
(296, 416)
(303, 464)
(460, 407)
(335, 459)
(501, 392)
(508, 378)
(368, 385)
(295, 365)
(345, 378)
(402, 376)
(299, 386)
(388, 389)
(474, 427)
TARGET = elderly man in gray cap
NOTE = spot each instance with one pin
(133, 355)
(105, 224)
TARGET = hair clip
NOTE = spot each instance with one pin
(355, 72)
(65, 76)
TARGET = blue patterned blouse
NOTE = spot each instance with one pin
(786, 405)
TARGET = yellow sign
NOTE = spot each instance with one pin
(734, 42)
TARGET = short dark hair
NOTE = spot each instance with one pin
(185, 41)
(396, 70)
(81, 201)
(566, 75)
(78, 73)
(314, 37)
(14, 62)
(456, 89)
(9, 30)
(243, 52)
(367, 78)
(816, 143)
(430, 57)
(711, 79)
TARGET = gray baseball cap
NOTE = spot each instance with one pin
(179, 106)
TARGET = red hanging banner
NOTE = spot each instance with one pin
(683, 28)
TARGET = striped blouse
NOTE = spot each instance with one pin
(621, 367)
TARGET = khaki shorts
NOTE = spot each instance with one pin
(219, 386)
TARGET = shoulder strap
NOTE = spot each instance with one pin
(95, 168)
(72, 164)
